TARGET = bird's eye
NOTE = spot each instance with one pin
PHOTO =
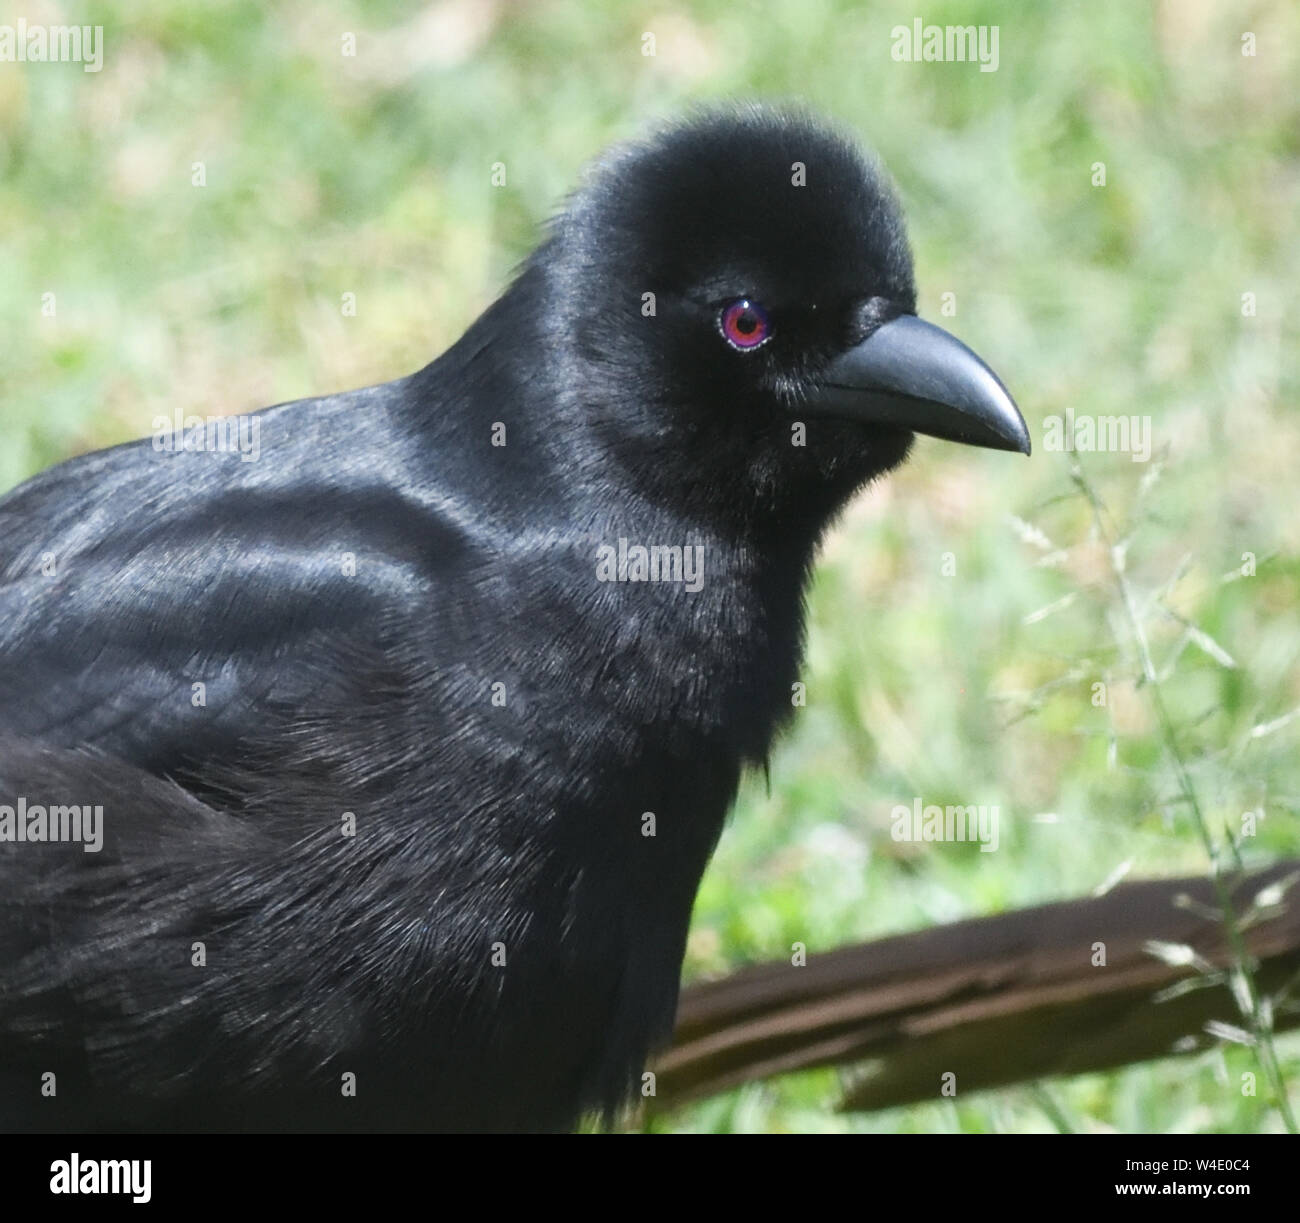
(744, 324)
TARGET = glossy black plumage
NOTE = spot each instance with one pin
(355, 599)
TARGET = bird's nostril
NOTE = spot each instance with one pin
(868, 314)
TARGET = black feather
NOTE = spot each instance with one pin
(393, 617)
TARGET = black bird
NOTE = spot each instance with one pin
(408, 776)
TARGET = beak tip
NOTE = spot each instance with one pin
(1012, 424)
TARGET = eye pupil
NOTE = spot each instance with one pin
(744, 324)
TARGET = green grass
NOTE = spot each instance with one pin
(371, 175)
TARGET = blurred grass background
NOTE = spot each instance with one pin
(370, 174)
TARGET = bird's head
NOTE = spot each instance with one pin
(736, 299)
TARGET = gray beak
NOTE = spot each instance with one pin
(913, 375)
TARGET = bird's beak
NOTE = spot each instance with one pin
(913, 375)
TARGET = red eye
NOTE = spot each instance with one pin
(744, 324)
